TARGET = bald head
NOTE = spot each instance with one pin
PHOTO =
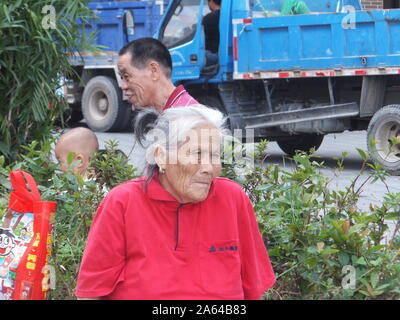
(80, 140)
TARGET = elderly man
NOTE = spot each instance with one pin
(145, 67)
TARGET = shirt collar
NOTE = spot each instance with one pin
(174, 95)
(156, 191)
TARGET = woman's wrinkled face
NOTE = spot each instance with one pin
(191, 168)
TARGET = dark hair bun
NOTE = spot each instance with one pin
(144, 121)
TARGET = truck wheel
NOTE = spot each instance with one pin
(103, 107)
(383, 128)
(303, 142)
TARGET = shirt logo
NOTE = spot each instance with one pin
(222, 249)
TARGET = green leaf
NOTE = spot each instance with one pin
(80, 180)
(344, 258)
(376, 248)
(362, 154)
(70, 157)
(329, 251)
(366, 293)
(394, 215)
(357, 227)
(374, 278)
(384, 286)
(361, 261)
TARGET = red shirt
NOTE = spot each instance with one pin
(143, 244)
(179, 98)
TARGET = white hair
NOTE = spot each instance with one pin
(172, 127)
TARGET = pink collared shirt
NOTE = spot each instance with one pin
(179, 98)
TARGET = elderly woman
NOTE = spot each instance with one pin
(180, 232)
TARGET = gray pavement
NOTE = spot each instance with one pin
(332, 147)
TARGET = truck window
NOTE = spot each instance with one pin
(391, 4)
(182, 24)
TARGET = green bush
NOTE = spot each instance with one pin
(32, 59)
(313, 234)
(77, 201)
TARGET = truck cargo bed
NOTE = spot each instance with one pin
(328, 44)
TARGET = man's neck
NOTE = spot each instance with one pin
(162, 95)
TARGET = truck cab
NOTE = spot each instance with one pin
(294, 75)
(182, 32)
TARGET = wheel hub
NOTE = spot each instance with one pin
(388, 141)
(103, 104)
(99, 105)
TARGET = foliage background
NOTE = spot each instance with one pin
(311, 232)
(32, 60)
(77, 201)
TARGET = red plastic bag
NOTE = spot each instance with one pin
(25, 241)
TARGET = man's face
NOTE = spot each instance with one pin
(137, 84)
(211, 5)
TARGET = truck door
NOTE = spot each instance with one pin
(182, 33)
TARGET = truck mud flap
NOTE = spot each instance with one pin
(315, 113)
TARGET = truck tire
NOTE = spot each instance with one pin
(103, 107)
(385, 125)
(302, 142)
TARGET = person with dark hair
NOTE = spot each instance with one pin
(145, 67)
(211, 32)
(181, 232)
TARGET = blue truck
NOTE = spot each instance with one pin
(94, 93)
(294, 78)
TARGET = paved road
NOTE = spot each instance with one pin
(332, 147)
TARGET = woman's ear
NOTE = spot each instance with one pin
(160, 157)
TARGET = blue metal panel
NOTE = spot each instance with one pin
(319, 42)
(313, 5)
(110, 23)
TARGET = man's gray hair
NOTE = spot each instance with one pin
(173, 126)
